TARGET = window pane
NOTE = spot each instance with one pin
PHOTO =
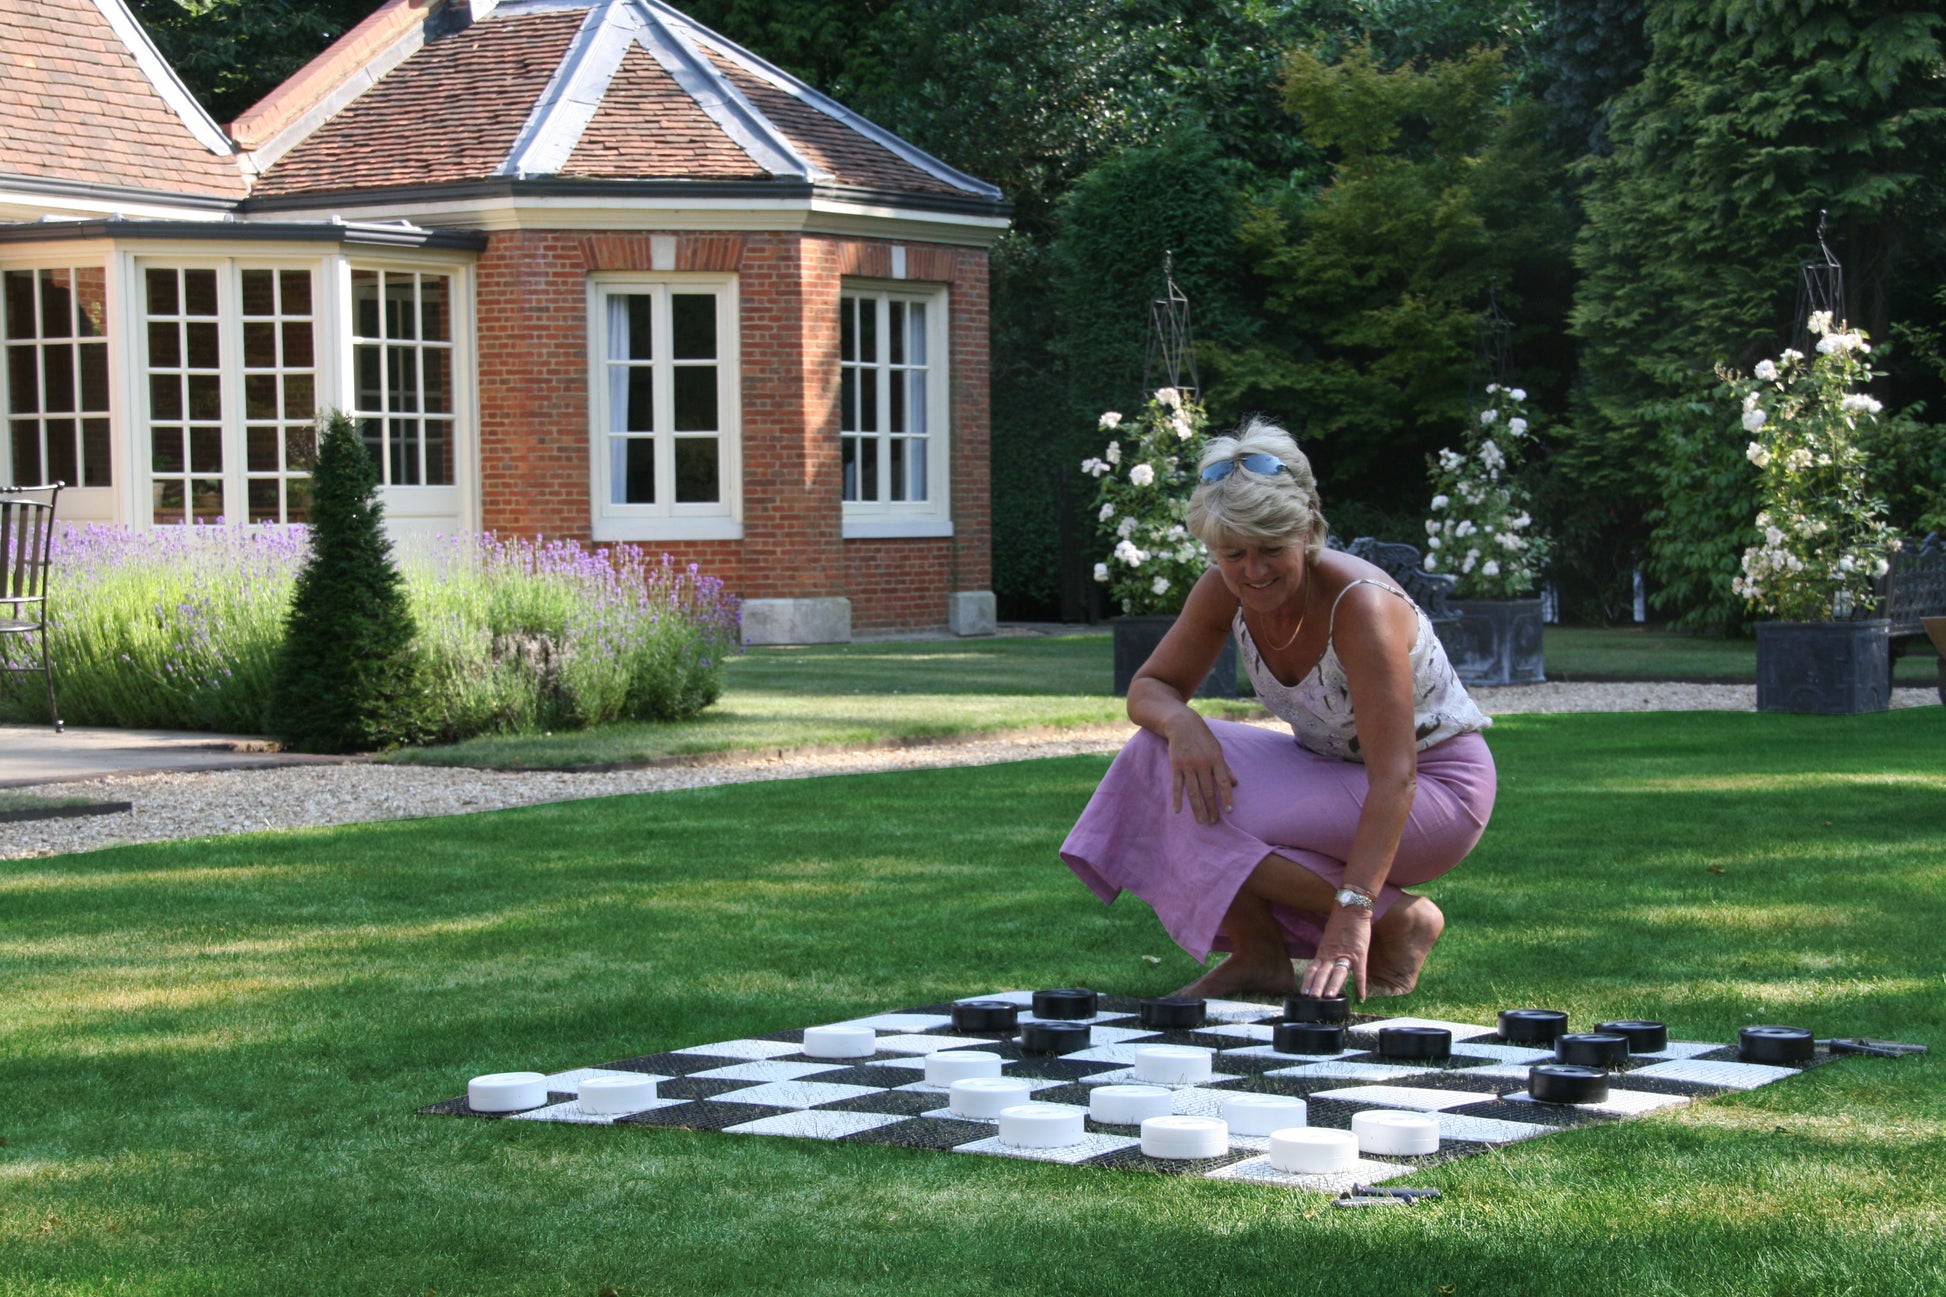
(27, 451)
(57, 385)
(638, 342)
(847, 328)
(23, 381)
(165, 396)
(367, 361)
(168, 501)
(372, 433)
(868, 469)
(400, 308)
(91, 297)
(435, 315)
(364, 303)
(300, 449)
(299, 399)
(917, 407)
(404, 437)
(868, 400)
(206, 497)
(439, 380)
(260, 396)
(696, 477)
(439, 452)
(94, 377)
(205, 396)
(260, 445)
(57, 304)
(402, 379)
(97, 461)
(263, 500)
(297, 291)
(868, 330)
(695, 399)
(18, 288)
(896, 422)
(897, 330)
(165, 345)
(259, 292)
(896, 446)
(916, 325)
(848, 400)
(198, 292)
(639, 415)
(848, 452)
(161, 286)
(631, 470)
(203, 352)
(917, 456)
(259, 344)
(694, 325)
(165, 449)
(206, 450)
(297, 500)
(63, 461)
(297, 344)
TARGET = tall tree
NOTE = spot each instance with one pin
(231, 53)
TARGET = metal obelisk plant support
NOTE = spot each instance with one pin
(1820, 287)
(1171, 357)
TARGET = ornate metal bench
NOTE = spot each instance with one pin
(1914, 590)
(26, 536)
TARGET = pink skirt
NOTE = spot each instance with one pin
(1289, 800)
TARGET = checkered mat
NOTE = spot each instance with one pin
(767, 1086)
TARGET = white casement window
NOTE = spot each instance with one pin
(402, 364)
(54, 327)
(229, 358)
(666, 453)
(892, 415)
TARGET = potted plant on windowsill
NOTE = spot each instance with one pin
(1143, 479)
(1825, 540)
(1482, 533)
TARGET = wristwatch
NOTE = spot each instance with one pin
(1354, 900)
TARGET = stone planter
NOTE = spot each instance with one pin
(1832, 668)
(1137, 637)
(1494, 641)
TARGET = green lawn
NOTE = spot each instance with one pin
(1594, 652)
(211, 1051)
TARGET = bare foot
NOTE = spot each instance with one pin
(1400, 943)
(1271, 979)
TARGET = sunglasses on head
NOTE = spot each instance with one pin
(1257, 462)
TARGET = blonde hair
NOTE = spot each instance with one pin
(1252, 507)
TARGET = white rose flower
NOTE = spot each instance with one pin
(1467, 564)
(1492, 388)
(1520, 520)
(1798, 460)
(1820, 322)
(1107, 512)
(1450, 460)
(1101, 572)
(1170, 397)
(1881, 567)
(1518, 427)
(1465, 528)
(1142, 474)
(1432, 542)
(1487, 417)
(1773, 537)
(1518, 394)
(1754, 420)
(1758, 454)
(1439, 502)
(1180, 422)
(1126, 552)
(1432, 563)
(1111, 420)
(1490, 568)
(1859, 403)
(1161, 585)
(1114, 452)
(1125, 528)
(1093, 467)
(1432, 526)
(1766, 371)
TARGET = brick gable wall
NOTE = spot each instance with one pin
(534, 440)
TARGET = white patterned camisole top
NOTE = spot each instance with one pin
(1318, 707)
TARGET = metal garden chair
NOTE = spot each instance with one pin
(26, 538)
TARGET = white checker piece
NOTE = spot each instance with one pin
(768, 1070)
(1681, 1049)
(1405, 1096)
(1127, 1076)
(1619, 1103)
(797, 1094)
(1258, 1170)
(744, 1049)
(1265, 1051)
(565, 1082)
(571, 1112)
(814, 1125)
(1090, 1146)
(1461, 1030)
(1351, 1071)
(900, 1022)
(924, 1044)
(1737, 1076)
(1486, 1130)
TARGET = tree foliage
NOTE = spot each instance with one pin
(231, 53)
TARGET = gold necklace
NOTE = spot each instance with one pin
(1302, 614)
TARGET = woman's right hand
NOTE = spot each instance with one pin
(1197, 767)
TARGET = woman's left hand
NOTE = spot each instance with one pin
(1340, 962)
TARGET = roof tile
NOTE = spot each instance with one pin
(647, 127)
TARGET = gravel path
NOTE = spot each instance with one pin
(197, 804)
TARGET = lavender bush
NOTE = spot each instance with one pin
(178, 628)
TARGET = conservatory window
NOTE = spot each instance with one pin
(402, 361)
(54, 324)
(892, 411)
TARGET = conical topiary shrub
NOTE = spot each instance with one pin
(349, 679)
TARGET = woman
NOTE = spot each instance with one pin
(1242, 839)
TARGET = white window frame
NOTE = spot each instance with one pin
(91, 503)
(868, 519)
(667, 519)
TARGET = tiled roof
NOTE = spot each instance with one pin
(451, 112)
(648, 127)
(601, 89)
(830, 144)
(77, 106)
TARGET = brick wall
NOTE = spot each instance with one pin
(532, 292)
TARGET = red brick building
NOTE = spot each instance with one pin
(580, 268)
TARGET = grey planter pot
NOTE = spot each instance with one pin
(1830, 668)
(1137, 637)
(1495, 641)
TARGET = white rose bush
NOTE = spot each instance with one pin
(1143, 480)
(1480, 529)
(1824, 539)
